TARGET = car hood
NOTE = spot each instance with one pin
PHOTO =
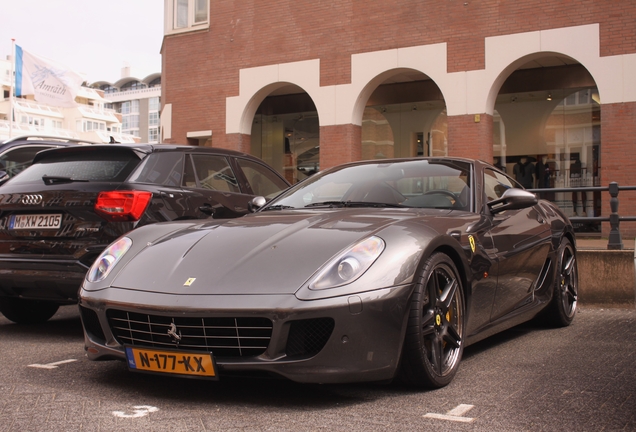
(263, 253)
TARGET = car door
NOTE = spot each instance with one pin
(213, 187)
(521, 240)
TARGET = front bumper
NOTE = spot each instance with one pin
(364, 343)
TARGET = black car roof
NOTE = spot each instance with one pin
(139, 149)
(42, 139)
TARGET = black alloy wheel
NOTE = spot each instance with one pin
(435, 337)
(565, 295)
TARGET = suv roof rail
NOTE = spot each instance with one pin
(48, 138)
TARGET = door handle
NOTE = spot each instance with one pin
(207, 209)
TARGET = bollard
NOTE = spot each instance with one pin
(615, 242)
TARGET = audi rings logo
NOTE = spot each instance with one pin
(31, 199)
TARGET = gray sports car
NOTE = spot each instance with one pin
(368, 271)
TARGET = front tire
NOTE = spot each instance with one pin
(434, 340)
(562, 307)
(22, 311)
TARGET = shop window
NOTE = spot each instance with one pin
(551, 139)
(289, 143)
(404, 130)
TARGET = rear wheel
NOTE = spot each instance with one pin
(435, 336)
(27, 311)
(562, 308)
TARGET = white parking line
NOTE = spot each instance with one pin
(52, 365)
(138, 411)
(454, 415)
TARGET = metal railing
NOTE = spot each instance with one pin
(615, 241)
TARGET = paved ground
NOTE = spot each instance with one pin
(530, 378)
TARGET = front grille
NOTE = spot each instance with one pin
(307, 337)
(224, 337)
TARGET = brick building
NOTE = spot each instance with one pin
(543, 88)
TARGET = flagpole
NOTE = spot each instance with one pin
(11, 88)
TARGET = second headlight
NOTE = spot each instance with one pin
(349, 265)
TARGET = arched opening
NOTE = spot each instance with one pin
(547, 132)
(286, 133)
(405, 116)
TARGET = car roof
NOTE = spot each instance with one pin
(141, 149)
(42, 139)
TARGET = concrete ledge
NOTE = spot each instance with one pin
(607, 277)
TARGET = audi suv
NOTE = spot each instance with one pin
(58, 214)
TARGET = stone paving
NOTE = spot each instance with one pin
(530, 378)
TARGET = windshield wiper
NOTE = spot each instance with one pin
(278, 207)
(49, 180)
(352, 204)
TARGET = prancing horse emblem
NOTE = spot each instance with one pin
(172, 332)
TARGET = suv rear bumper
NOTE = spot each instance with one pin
(51, 280)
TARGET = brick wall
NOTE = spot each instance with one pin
(339, 144)
(618, 160)
(201, 69)
(470, 138)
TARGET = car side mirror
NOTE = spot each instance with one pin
(513, 199)
(256, 203)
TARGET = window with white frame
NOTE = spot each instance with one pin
(153, 134)
(186, 15)
(153, 118)
(130, 117)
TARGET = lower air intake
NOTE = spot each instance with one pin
(307, 337)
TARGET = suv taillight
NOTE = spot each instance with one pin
(122, 205)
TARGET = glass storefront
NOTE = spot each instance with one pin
(404, 130)
(545, 139)
(551, 139)
(288, 142)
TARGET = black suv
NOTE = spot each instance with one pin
(58, 215)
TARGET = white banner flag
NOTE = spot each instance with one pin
(50, 83)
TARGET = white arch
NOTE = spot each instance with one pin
(257, 83)
(504, 54)
(465, 93)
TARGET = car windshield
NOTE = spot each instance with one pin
(421, 183)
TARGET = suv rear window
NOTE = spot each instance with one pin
(90, 166)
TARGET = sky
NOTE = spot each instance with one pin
(95, 38)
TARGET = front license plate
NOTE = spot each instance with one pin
(35, 221)
(172, 362)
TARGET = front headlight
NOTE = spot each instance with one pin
(107, 260)
(349, 265)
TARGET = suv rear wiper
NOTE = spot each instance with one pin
(352, 204)
(49, 180)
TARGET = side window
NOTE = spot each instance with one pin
(214, 173)
(495, 184)
(261, 179)
(18, 159)
(163, 168)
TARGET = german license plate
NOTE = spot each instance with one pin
(188, 363)
(35, 221)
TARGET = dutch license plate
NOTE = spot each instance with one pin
(35, 221)
(172, 362)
